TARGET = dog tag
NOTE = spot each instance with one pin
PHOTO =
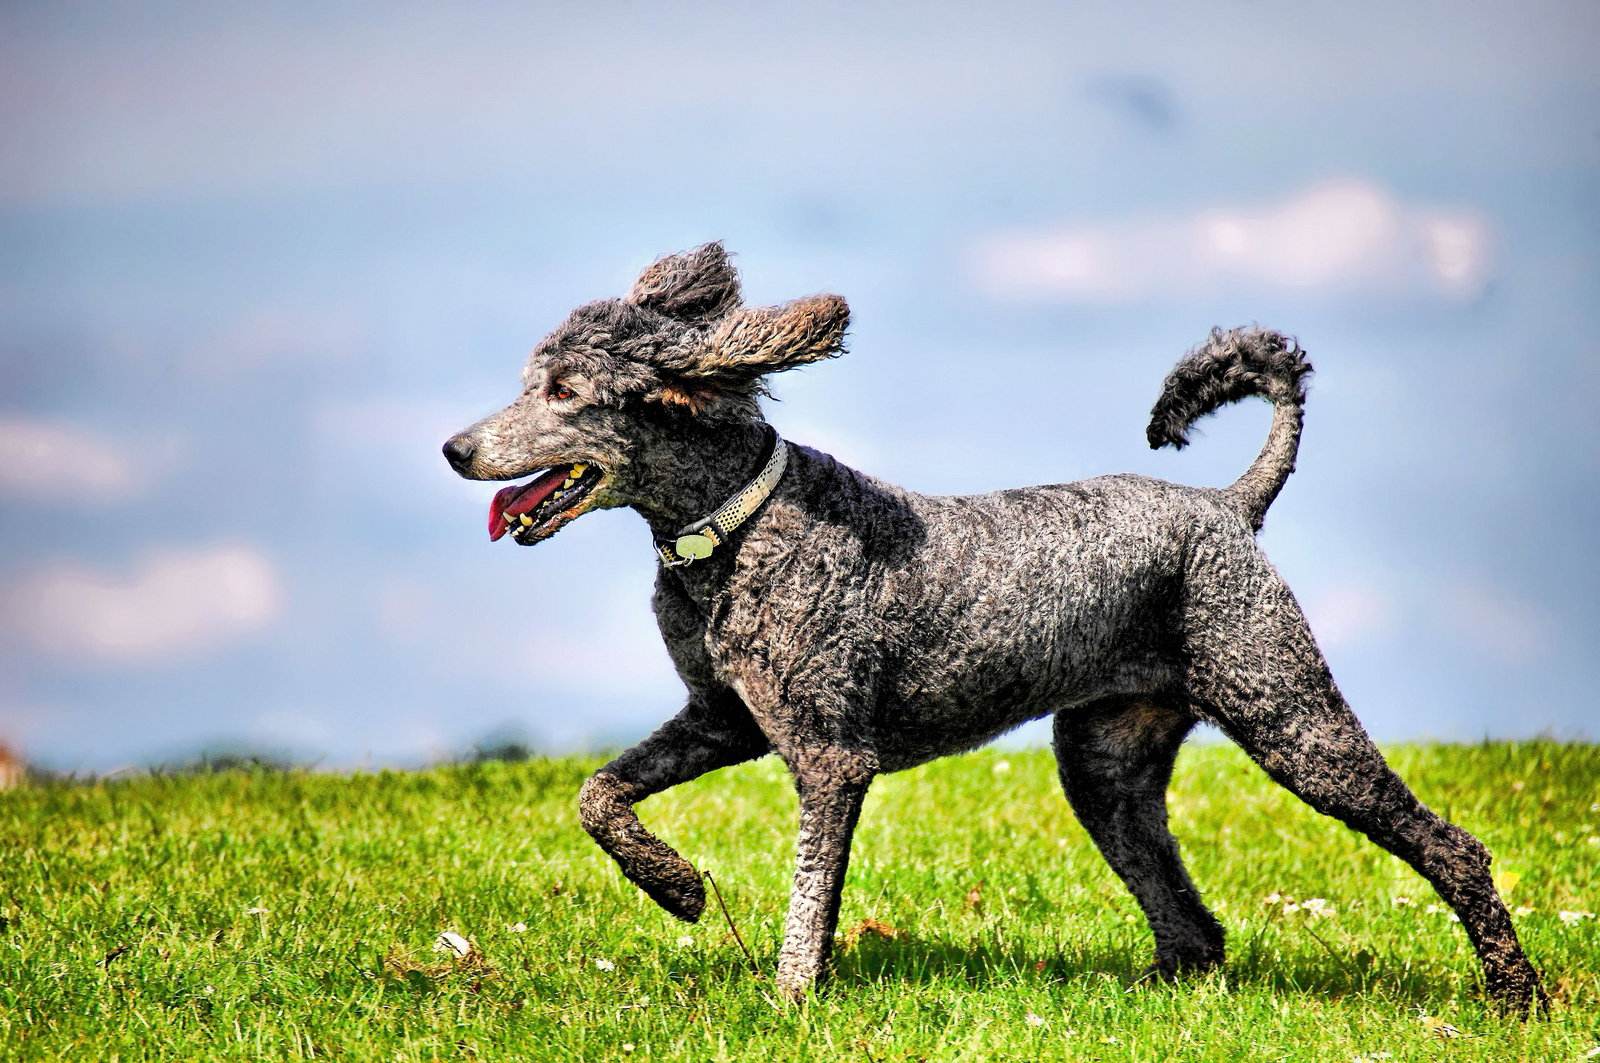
(693, 546)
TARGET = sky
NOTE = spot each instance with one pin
(258, 261)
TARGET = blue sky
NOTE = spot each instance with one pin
(256, 264)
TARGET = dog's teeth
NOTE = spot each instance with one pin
(527, 521)
(577, 471)
(567, 484)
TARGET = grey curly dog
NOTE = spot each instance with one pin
(855, 628)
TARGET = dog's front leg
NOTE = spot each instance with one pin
(709, 733)
(832, 783)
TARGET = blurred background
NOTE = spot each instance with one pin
(258, 261)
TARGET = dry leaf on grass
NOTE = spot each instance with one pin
(465, 960)
(872, 928)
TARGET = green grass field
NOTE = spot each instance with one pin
(286, 914)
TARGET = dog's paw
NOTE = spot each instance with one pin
(1156, 972)
(1517, 992)
(678, 889)
(1177, 966)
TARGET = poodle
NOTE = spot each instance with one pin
(855, 628)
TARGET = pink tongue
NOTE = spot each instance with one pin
(518, 499)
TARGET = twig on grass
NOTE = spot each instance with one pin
(1336, 957)
(754, 968)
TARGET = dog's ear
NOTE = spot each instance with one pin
(749, 344)
(720, 373)
(697, 286)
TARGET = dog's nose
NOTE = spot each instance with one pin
(458, 451)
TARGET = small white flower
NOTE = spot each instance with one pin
(1453, 917)
(1521, 910)
(686, 941)
(1002, 766)
(1271, 898)
(257, 911)
(1433, 909)
(627, 1047)
(1383, 1055)
(1033, 1020)
(1109, 1039)
(1573, 918)
(1290, 909)
(1595, 1051)
(209, 990)
(1404, 902)
(1319, 908)
(453, 943)
(519, 928)
(1594, 841)
(605, 965)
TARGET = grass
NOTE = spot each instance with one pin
(268, 914)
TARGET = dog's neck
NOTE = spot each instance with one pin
(689, 479)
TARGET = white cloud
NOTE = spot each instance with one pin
(57, 460)
(1337, 237)
(178, 604)
(1348, 614)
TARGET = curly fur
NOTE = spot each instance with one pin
(1227, 367)
(855, 628)
(698, 285)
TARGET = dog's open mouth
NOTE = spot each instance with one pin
(537, 510)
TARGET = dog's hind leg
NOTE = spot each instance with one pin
(708, 734)
(1115, 758)
(1262, 679)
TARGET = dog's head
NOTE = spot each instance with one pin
(679, 355)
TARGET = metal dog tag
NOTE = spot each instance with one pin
(694, 546)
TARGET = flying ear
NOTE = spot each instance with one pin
(749, 344)
(697, 286)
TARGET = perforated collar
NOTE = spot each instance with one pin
(697, 540)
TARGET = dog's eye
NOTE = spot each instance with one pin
(562, 392)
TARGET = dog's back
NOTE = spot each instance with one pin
(951, 619)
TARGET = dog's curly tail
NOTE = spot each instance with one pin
(1227, 367)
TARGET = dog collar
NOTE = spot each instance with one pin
(697, 540)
